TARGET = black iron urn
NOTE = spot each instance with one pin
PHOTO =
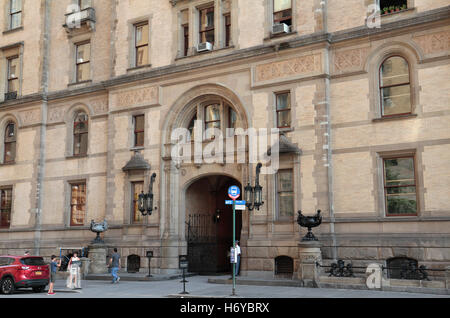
(309, 222)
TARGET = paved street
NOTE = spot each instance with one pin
(198, 286)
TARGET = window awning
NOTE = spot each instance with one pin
(137, 162)
(285, 146)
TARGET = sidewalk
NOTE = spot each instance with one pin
(199, 287)
(135, 277)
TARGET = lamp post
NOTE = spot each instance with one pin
(253, 195)
(145, 201)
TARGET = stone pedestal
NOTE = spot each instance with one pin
(309, 254)
(97, 257)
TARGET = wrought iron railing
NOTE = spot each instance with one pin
(340, 269)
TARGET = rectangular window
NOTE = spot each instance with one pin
(283, 101)
(391, 6)
(212, 118)
(141, 44)
(285, 189)
(185, 28)
(207, 25)
(282, 12)
(139, 128)
(5, 207)
(400, 186)
(136, 189)
(13, 74)
(15, 14)
(84, 4)
(232, 120)
(83, 68)
(186, 39)
(227, 18)
(77, 203)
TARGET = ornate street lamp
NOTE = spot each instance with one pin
(145, 201)
(253, 195)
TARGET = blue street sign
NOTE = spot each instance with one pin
(234, 192)
(238, 202)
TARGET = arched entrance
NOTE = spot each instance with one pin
(209, 224)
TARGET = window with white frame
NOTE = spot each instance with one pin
(15, 14)
(141, 44)
(282, 12)
(285, 193)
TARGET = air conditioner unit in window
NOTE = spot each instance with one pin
(205, 46)
(280, 28)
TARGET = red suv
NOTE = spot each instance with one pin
(23, 272)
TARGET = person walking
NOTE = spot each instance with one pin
(114, 263)
(238, 252)
(74, 272)
(53, 268)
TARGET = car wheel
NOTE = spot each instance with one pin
(7, 286)
(39, 289)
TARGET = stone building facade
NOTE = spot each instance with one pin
(83, 89)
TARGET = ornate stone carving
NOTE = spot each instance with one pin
(302, 65)
(350, 59)
(56, 114)
(134, 97)
(99, 106)
(435, 42)
(30, 117)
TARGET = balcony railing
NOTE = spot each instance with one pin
(10, 95)
(77, 19)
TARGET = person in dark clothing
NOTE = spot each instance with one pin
(114, 263)
(53, 268)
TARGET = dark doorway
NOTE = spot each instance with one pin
(133, 263)
(209, 225)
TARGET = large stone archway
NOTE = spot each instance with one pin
(176, 178)
(209, 224)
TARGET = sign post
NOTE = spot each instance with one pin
(183, 264)
(234, 192)
(149, 256)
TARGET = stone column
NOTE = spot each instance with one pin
(309, 254)
(97, 257)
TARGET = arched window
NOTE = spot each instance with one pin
(80, 134)
(395, 87)
(10, 143)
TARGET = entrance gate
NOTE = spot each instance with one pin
(204, 245)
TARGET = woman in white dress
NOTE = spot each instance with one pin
(74, 280)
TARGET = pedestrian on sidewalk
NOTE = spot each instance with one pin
(74, 281)
(238, 252)
(114, 263)
(53, 268)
